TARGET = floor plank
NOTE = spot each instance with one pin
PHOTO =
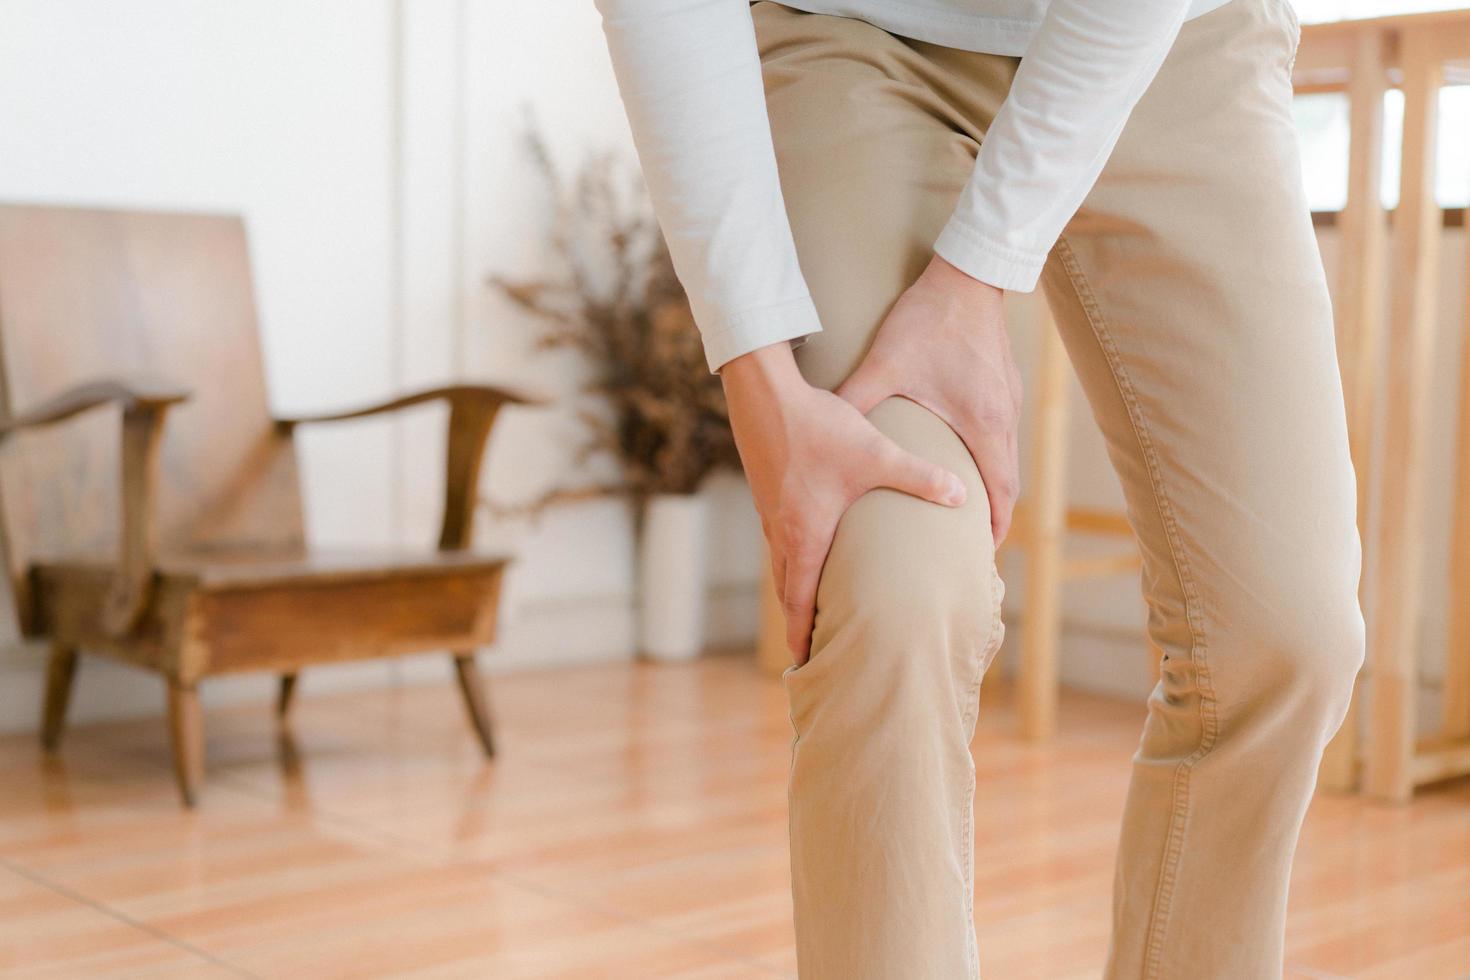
(49, 933)
(633, 826)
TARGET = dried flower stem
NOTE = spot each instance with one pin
(654, 405)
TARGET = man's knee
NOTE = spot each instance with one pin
(909, 602)
(1328, 641)
(1305, 631)
(911, 614)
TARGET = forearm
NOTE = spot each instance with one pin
(1086, 68)
(690, 77)
(765, 371)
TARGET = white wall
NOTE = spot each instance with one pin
(375, 151)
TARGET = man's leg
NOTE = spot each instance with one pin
(1191, 297)
(908, 608)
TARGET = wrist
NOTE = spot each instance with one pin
(945, 275)
(770, 369)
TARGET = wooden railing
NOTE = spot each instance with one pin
(1388, 336)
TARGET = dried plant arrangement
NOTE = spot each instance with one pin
(651, 401)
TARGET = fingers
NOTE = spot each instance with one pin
(996, 454)
(902, 470)
(804, 561)
(864, 389)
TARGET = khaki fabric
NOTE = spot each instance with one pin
(1191, 299)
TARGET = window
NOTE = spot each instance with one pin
(1322, 121)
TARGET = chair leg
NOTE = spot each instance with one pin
(284, 695)
(61, 673)
(475, 701)
(186, 728)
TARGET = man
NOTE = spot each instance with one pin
(847, 188)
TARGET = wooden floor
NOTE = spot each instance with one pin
(633, 828)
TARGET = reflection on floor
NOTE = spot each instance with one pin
(634, 827)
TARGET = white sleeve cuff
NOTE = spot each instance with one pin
(793, 320)
(985, 259)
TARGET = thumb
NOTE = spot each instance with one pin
(904, 471)
(865, 387)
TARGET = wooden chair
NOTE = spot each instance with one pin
(180, 547)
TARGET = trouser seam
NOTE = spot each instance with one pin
(1209, 718)
(969, 715)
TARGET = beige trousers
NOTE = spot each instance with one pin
(1191, 299)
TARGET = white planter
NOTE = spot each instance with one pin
(671, 577)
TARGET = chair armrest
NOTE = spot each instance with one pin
(153, 394)
(145, 403)
(472, 410)
(454, 394)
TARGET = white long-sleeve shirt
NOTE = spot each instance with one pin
(690, 78)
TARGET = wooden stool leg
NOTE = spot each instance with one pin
(1398, 551)
(1045, 531)
(1359, 318)
(1457, 653)
(186, 729)
(475, 701)
(61, 673)
(285, 694)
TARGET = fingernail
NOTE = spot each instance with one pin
(956, 494)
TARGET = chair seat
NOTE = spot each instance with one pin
(328, 567)
(282, 611)
(213, 572)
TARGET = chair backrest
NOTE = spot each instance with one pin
(88, 294)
